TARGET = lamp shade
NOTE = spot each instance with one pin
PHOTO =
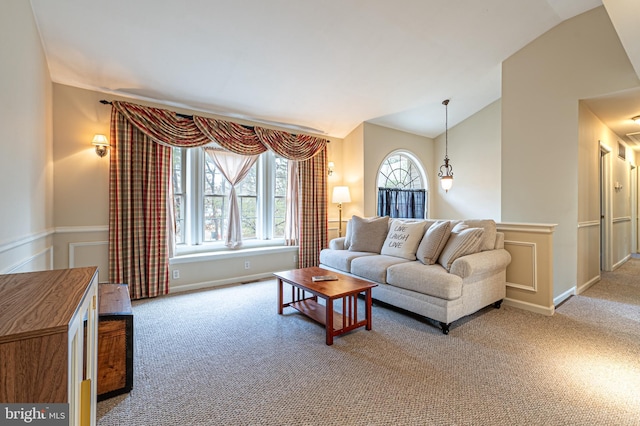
(100, 140)
(341, 195)
(446, 182)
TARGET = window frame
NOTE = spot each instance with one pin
(193, 185)
(420, 168)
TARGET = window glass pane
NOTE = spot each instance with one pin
(178, 205)
(399, 171)
(177, 170)
(280, 193)
(216, 202)
(248, 209)
(178, 194)
(214, 218)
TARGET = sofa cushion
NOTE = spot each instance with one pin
(432, 280)
(374, 268)
(340, 259)
(368, 234)
(403, 239)
(433, 242)
(462, 241)
(490, 232)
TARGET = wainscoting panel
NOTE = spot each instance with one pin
(42, 261)
(530, 274)
(90, 253)
(30, 253)
(621, 240)
(521, 272)
(588, 254)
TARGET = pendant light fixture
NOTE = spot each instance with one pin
(446, 170)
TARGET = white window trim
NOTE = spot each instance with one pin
(194, 244)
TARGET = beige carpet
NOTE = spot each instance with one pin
(225, 357)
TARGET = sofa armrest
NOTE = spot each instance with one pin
(481, 263)
(337, 243)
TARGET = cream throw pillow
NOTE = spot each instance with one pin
(489, 235)
(403, 239)
(462, 241)
(433, 242)
(368, 234)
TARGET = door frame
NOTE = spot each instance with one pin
(605, 208)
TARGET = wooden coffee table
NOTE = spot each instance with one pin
(305, 293)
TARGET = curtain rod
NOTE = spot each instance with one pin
(190, 117)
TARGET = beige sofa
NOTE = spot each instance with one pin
(439, 269)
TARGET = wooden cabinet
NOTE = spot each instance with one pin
(48, 340)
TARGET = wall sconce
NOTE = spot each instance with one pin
(102, 144)
(340, 195)
(617, 186)
(636, 119)
(330, 166)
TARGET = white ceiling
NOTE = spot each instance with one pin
(321, 66)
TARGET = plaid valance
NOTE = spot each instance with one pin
(168, 128)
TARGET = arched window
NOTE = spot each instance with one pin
(402, 188)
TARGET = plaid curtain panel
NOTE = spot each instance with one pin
(138, 187)
(312, 209)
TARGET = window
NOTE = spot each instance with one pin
(201, 201)
(401, 187)
(400, 171)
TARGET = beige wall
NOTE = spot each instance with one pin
(541, 87)
(25, 143)
(353, 171)
(474, 153)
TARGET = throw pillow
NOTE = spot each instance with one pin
(403, 239)
(368, 234)
(433, 242)
(490, 230)
(347, 236)
(461, 243)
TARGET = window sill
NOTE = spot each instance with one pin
(219, 254)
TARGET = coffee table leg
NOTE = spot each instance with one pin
(329, 321)
(368, 312)
(280, 300)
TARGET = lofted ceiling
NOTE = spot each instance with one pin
(312, 66)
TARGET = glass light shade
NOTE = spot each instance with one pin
(636, 119)
(341, 195)
(446, 182)
(100, 140)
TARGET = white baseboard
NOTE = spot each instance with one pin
(564, 296)
(538, 309)
(176, 288)
(622, 262)
(588, 284)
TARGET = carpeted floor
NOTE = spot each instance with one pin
(225, 357)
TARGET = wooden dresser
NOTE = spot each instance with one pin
(48, 340)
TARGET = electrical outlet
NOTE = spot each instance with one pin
(176, 274)
(247, 264)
